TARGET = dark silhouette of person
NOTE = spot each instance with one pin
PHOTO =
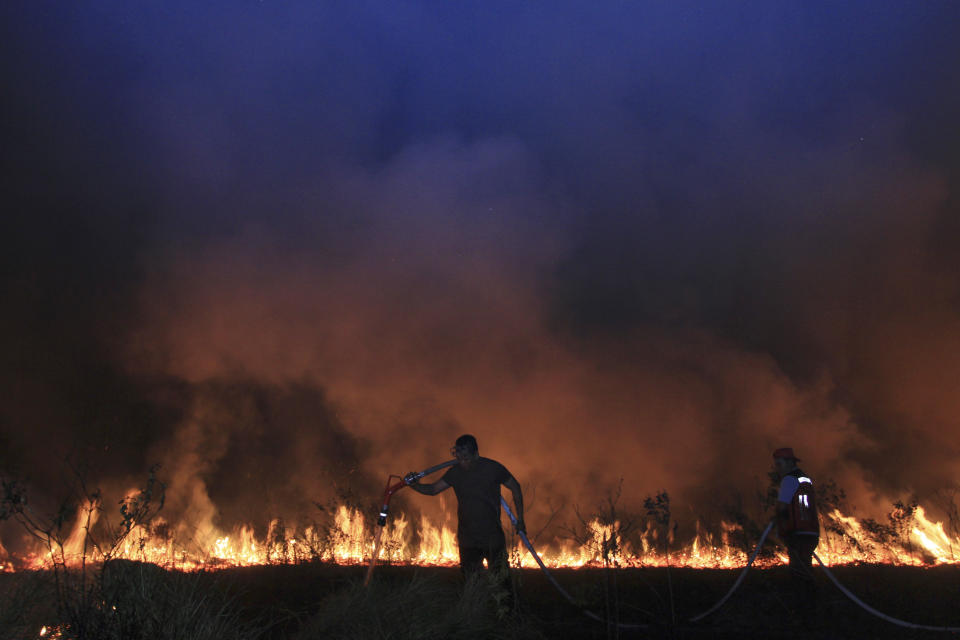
(799, 527)
(476, 482)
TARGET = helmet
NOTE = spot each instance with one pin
(786, 453)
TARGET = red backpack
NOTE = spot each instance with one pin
(803, 508)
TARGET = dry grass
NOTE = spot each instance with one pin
(133, 601)
(27, 602)
(419, 607)
(316, 601)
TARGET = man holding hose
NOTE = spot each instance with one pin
(476, 482)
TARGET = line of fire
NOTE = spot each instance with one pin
(908, 538)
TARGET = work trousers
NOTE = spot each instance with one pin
(800, 549)
(472, 557)
(498, 566)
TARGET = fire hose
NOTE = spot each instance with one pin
(553, 581)
(833, 578)
(385, 507)
(743, 574)
(883, 616)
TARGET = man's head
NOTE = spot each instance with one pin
(465, 449)
(785, 461)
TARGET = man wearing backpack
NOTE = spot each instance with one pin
(799, 527)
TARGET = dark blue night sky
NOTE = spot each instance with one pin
(284, 246)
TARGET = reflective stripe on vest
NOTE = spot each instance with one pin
(803, 509)
(803, 498)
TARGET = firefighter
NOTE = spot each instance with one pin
(799, 528)
(476, 482)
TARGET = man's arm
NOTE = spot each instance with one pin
(514, 486)
(788, 486)
(430, 488)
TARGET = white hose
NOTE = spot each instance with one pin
(879, 614)
(563, 592)
(740, 578)
(836, 582)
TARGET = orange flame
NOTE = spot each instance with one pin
(349, 540)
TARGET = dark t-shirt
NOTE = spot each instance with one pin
(478, 501)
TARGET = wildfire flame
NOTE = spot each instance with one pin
(349, 540)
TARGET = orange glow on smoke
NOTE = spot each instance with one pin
(349, 540)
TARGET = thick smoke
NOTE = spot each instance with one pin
(286, 250)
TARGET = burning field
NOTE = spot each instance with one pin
(907, 539)
(260, 255)
(306, 581)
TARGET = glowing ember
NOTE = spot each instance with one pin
(349, 540)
